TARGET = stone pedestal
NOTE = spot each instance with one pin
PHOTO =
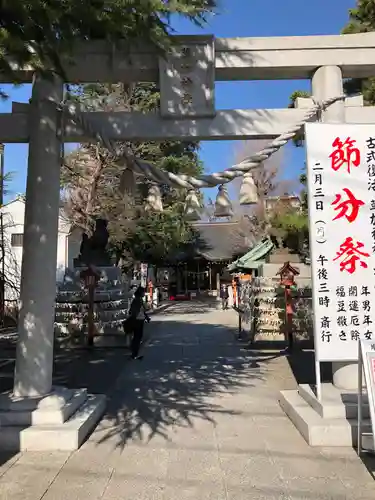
(329, 422)
(345, 375)
(58, 421)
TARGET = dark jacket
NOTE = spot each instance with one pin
(224, 294)
(135, 307)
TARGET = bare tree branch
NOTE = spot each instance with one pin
(269, 181)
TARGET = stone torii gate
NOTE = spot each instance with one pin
(61, 418)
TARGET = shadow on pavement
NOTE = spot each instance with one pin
(185, 368)
(202, 306)
(96, 370)
(188, 364)
(368, 459)
(302, 364)
(7, 459)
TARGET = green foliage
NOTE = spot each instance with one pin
(361, 20)
(41, 33)
(156, 237)
(295, 95)
(303, 193)
(133, 233)
(292, 227)
(292, 224)
(298, 139)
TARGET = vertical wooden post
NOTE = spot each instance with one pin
(90, 278)
(239, 324)
(289, 317)
(239, 312)
(90, 312)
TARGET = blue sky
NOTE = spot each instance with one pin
(235, 18)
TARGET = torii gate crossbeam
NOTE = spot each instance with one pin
(324, 59)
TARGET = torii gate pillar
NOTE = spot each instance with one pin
(60, 418)
(33, 372)
(327, 82)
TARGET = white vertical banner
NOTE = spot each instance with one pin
(144, 271)
(341, 198)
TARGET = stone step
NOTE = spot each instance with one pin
(316, 430)
(44, 416)
(334, 403)
(67, 436)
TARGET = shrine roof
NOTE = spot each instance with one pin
(222, 240)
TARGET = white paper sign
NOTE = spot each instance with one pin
(144, 272)
(341, 197)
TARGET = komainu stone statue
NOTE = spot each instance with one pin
(93, 250)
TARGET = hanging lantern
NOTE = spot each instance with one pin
(248, 191)
(154, 201)
(192, 205)
(223, 206)
(127, 182)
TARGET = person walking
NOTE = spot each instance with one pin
(224, 295)
(137, 318)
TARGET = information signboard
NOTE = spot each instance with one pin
(341, 199)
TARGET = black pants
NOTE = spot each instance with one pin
(224, 303)
(137, 337)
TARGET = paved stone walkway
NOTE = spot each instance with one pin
(198, 419)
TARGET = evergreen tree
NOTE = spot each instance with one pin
(361, 20)
(42, 33)
(91, 179)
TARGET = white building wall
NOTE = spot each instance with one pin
(13, 221)
(72, 247)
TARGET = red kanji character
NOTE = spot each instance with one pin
(351, 253)
(348, 208)
(343, 154)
